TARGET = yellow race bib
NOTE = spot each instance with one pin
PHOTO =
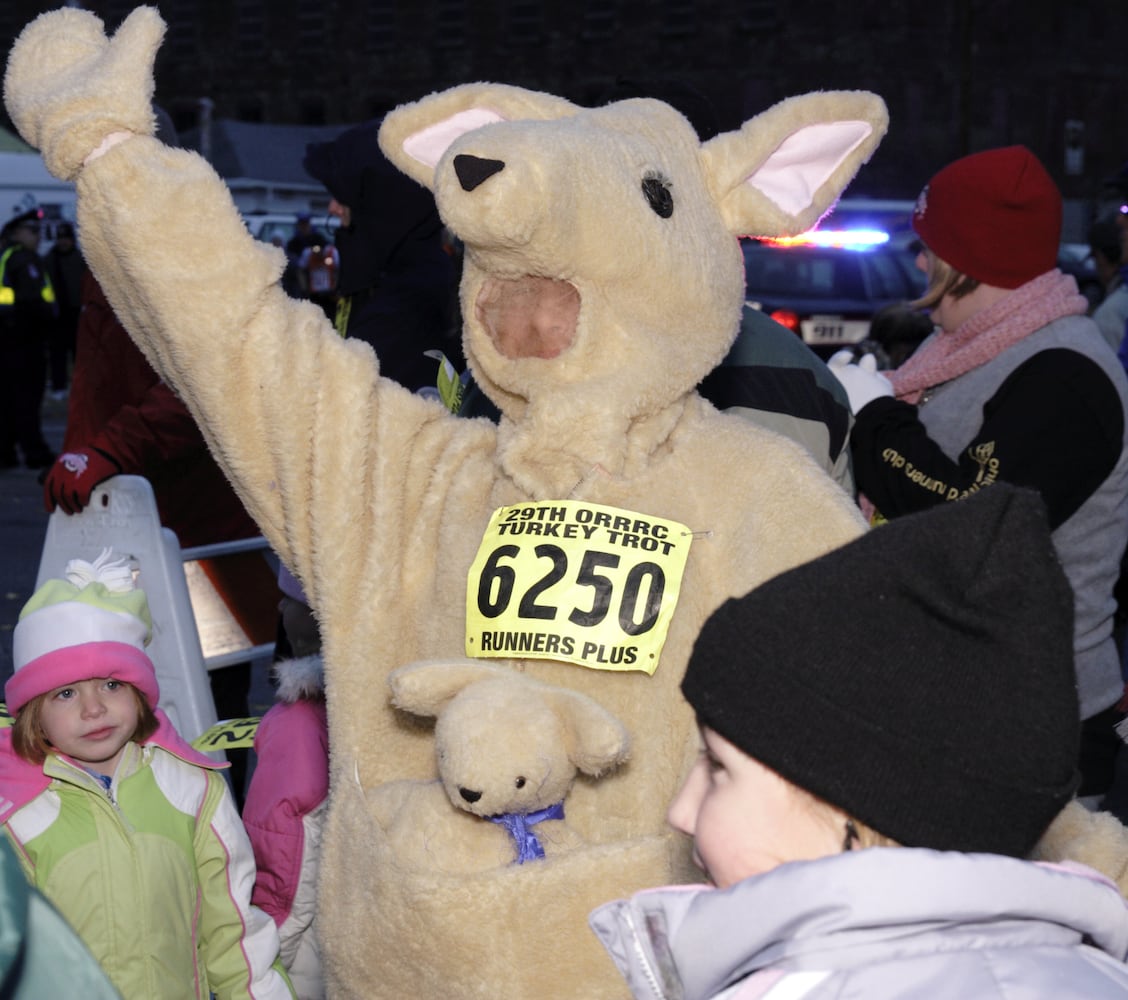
(228, 734)
(574, 581)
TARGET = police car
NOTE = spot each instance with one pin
(826, 285)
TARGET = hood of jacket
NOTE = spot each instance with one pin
(300, 678)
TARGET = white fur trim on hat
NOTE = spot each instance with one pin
(302, 677)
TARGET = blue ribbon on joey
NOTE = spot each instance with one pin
(519, 826)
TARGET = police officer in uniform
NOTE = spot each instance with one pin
(27, 310)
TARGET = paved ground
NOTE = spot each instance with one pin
(23, 526)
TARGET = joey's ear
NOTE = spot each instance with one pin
(415, 136)
(425, 688)
(596, 739)
(784, 169)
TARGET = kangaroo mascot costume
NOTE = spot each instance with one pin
(583, 540)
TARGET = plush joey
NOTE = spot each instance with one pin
(508, 750)
(602, 280)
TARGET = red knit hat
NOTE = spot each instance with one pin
(994, 216)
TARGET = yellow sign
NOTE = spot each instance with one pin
(574, 581)
(228, 734)
(5, 719)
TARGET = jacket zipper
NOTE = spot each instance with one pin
(644, 962)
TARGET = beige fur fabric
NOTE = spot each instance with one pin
(85, 87)
(378, 499)
(1097, 839)
(504, 744)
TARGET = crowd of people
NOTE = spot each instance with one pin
(975, 686)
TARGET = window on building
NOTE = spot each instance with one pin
(678, 18)
(381, 25)
(601, 19)
(182, 16)
(526, 23)
(250, 26)
(309, 24)
(450, 27)
(758, 16)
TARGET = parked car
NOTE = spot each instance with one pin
(1075, 259)
(825, 286)
(266, 226)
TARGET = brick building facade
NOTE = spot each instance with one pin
(958, 75)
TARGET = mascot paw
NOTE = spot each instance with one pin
(68, 86)
(1096, 839)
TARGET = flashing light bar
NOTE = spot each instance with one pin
(850, 239)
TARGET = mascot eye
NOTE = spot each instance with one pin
(520, 782)
(657, 191)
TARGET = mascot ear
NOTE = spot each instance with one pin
(415, 136)
(783, 170)
(425, 688)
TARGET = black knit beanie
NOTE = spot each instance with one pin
(919, 678)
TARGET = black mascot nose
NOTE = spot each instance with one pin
(468, 795)
(473, 170)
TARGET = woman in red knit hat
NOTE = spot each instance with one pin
(1016, 385)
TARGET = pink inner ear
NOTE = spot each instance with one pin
(428, 145)
(800, 165)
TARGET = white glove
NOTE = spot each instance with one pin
(862, 381)
(68, 87)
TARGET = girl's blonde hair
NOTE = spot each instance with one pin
(943, 279)
(30, 742)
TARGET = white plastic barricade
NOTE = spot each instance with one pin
(122, 515)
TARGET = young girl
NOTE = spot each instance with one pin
(934, 720)
(130, 832)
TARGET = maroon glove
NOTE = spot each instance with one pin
(73, 477)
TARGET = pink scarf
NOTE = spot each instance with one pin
(982, 337)
(988, 333)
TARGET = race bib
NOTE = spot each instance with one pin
(228, 734)
(574, 581)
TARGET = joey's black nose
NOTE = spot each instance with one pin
(466, 793)
(473, 170)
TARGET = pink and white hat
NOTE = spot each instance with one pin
(93, 623)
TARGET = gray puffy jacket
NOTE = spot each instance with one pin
(881, 923)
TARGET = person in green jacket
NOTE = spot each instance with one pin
(128, 830)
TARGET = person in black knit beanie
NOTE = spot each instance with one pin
(950, 670)
(876, 769)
